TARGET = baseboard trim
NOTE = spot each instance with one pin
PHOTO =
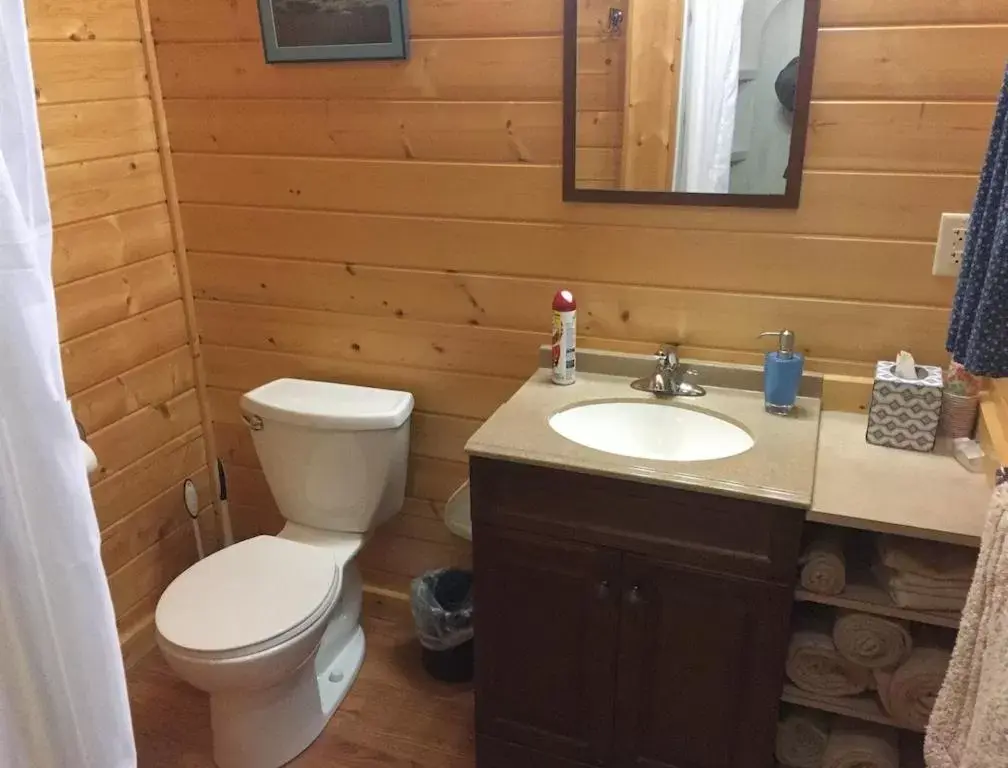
(138, 641)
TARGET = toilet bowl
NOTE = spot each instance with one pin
(270, 627)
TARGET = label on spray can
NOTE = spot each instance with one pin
(564, 338)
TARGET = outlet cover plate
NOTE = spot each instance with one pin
(951, 240)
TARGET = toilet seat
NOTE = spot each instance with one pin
(249, 597)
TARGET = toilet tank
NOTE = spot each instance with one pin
(334, 455)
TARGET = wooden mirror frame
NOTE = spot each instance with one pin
(799, 133)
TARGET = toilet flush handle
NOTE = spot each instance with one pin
(253, 422)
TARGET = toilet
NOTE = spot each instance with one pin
(270, 627)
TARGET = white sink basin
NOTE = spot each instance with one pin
(650, 430)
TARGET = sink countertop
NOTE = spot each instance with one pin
(779, 468)
(819, 461)
(923, 495)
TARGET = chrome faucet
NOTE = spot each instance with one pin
(667, 379)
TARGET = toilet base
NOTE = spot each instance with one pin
(266, 729)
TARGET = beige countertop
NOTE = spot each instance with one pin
(779, 468)
(924, 495)
(818, 460)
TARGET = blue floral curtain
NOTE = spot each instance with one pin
(978, 330)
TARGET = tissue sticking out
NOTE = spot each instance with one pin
(905, 367)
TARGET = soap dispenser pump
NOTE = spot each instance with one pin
(782, 372)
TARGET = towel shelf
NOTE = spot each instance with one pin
(911, 752)
(863, 707)
(864, 594)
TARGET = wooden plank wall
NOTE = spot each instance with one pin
(992, 431)
(400, 224)
(126, 353)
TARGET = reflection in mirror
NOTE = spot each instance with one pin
(691, 96)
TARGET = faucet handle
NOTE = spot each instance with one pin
(668, 354)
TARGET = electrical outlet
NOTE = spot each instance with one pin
(951, 241)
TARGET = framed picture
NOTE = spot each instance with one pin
(333, 30)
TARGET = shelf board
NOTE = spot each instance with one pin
(863, 594)
(911, 752)
(863, 707)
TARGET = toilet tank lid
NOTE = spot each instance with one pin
(326, 405)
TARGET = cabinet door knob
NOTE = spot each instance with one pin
(603, 590)
(634, 595)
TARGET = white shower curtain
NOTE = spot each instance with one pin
(709, 95)
(62, 690)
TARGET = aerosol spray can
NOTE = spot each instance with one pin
(564, 338)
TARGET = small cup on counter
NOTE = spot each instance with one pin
(959, 415)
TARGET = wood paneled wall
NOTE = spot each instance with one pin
(401, 225)
(126, 353)
(992, 431)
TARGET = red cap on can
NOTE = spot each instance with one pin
(564, 302)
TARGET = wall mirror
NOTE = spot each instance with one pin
(687, 102)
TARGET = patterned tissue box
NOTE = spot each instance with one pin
(904, 413)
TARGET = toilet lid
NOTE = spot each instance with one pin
(246, 594)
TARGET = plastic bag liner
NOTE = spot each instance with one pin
(442, 607)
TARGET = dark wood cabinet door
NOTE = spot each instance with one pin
(547, 621)
(700, 668)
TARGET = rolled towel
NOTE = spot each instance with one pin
(931, 559)
(824, 568)
(801, 739)
(814, 665)
(909, 693)
(871, 641)
(861, 745)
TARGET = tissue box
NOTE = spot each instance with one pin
(904, 413)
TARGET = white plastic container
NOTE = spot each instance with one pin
(458, 513)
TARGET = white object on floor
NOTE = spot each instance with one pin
(649, 430)
(270, 627)
(458, 512)
(62, 688)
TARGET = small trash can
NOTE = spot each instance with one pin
(442, 607)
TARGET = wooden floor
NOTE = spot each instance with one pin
(394, 716)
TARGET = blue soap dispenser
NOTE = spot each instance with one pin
(782, 372)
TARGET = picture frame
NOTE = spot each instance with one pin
(333, 30)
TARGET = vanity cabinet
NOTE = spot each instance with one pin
(700, 668)
(548, 643)
(615, 628)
